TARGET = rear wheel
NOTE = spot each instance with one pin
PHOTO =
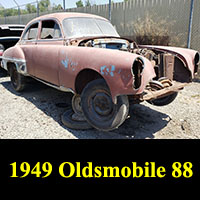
(18, 81)
(99, 109)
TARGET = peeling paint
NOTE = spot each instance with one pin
(119, 71)
(65, 62)
(102, 68)
(107, 70)
(68, 62)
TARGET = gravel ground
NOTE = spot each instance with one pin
(36, 113)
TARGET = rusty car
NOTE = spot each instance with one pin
(84, 54)
(9, 36)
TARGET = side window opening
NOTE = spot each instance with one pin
(31, 33)
(50, 30)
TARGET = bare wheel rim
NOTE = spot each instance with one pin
(102, 104)
(76, 104)
(101, 107)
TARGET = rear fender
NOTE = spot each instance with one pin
(15, 56)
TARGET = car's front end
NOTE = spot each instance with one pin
(148, 67)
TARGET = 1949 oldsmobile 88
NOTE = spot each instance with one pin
(83, 54)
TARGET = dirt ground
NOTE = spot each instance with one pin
(36, 113)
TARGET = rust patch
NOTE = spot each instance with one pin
(168, 66)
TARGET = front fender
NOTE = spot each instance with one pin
(114, 66)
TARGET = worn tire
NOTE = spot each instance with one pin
(99, 109)
(18, 81)
(162, 83)
(165, 100)
(72, 124)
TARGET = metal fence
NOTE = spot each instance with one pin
(195, 32)
(175, 14)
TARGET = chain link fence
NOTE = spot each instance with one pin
(171, 17)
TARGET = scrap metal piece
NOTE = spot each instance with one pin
(149, 95)
(169, 66)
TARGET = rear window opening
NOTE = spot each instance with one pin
(50, 30)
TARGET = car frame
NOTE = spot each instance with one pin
(83, 54)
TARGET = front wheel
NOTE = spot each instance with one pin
(99, 109)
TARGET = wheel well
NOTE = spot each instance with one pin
(84, 77)
(181, 73)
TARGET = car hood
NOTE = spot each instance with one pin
(187, 56)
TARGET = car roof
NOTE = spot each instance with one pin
(63, 15)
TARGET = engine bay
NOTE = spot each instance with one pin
(165, 64)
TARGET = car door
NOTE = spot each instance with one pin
(28, 45)
(47, 54)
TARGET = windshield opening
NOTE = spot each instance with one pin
(84, 27)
